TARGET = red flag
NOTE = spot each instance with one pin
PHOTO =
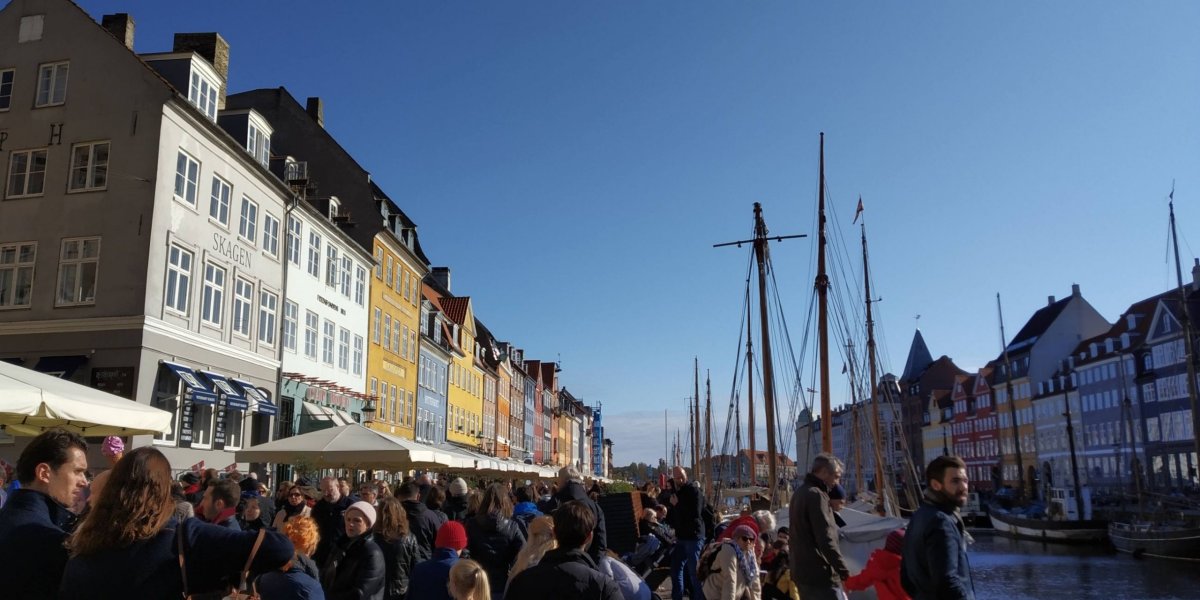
(858, 212)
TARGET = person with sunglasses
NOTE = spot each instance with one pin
(294, 505)
(733, 573)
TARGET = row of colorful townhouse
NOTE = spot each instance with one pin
(223, 257)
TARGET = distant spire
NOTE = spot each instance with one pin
(919, 358)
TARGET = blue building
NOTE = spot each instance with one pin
(432, 377)
(597, 442)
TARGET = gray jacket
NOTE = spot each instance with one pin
(816, 559)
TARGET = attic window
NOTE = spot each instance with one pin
(31, 28)
(334, 207)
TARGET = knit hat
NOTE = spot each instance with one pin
(743, 531)
(366, 509)
(837, 492)
(112, 446)
(895, 542)
(458, 487)
(451, 535)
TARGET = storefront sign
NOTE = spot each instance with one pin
(185, 421)
(219, 430)
(393, 368)
(232, 250)
(114, 380)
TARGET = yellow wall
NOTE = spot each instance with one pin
(465, 400)
(393, 355)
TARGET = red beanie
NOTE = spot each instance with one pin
(894, 543)
(451, 535)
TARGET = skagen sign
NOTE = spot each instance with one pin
(232, 250)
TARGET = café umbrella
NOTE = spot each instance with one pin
(350, 446)
(31, 402)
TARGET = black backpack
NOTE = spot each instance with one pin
(708, 556)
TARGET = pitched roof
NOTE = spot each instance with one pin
(455, 308)
(1038, 324)
(919, 358)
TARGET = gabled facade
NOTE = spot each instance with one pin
(465, 398)
(487, 360)
(437, 351)
(535, 384)
(917, 385)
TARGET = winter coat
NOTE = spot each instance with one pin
(423, 524)
(429, 578)
(354, 570)
(727, 581)
(813, 543)
(330, 525)
(33, 527)
(213, 556)
(399, 558)
(685, 515)
(574, 491)
(562, 573)
(523, 513)
(455, 508)
(882, 570)
(494, 541)
(300, 581)
(282, 516)
(934, 563)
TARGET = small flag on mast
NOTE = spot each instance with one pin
(858, 212)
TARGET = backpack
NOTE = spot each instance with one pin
(708, 556)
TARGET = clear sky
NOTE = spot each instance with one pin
(573, 162)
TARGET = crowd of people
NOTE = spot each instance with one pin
(137, 531)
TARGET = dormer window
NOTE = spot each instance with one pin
(335, 206)
(202, 93)
(258, 142)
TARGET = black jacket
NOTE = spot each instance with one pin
(399, 557)
(574, 491)
(423, 524)
(568, 574)
(934, 561)
(32, 530)
(494, 541)
(354, 570)
(330, 524)
(455, 508)
(685, 515)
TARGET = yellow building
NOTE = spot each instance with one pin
(395, 315)
(464, 402)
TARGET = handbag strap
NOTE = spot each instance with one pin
(182, 567)
(246, 570)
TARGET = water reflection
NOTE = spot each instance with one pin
(1004, 568)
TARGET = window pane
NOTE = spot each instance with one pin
(37, 172)
(60, 83)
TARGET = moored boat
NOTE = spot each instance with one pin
(1084, 531)
(1158, 540)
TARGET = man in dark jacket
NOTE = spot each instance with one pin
(35, 520)
(934, 563)
(220, 503)
(686, 505)
(422, 522)
(568, 571)
(570, 488)
(816, 559)
(328, 513)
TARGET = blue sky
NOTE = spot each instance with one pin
(573, 162)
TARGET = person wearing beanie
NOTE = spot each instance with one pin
(882, 570)
(455, 506)
(113, 448)
(355, 566)
(733, 571)
(837, 500)
(429, 578)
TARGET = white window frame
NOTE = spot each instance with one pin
(378, 263)
(356, 361)
(81, 263)
(387, 332)
(332, 266)
(178, 290)
(219, 201)
(311, 334)
(258, 144)
(235, 429)
(8, 79)
(270, 237)
(314, 254)
(52, 84)
(243, 301)
(203, 93)
(29, 173)
(343, 351)
(13, 269)
(187, 178)
(294, 239)
(291, 316)
(248, 221)
(327, 333)
(203, 426)
(268, 309)
(375, 325)
(360, 286)
(95, 172)
(212, 303)
(347, 268)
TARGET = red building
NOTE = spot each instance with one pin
(974, 428)
(534, 369)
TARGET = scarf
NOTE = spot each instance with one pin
(749, 566)
(939, 500)
(292, 509)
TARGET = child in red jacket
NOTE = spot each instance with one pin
(882, 570)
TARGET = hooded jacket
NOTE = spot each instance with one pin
(523, 513)
(816, 559)
(494, 541)
(33, 527)
(562, 573)
(423, 524)
(574, 491)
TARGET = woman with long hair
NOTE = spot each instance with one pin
(541, 540)
(294, 505)
(493, 538)
(299, 578)
(129, 543)
(469, 581)
(398, 545)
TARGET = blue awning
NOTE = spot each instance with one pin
(59, 366)
(199, 391)
(261, 403)
(233, 396)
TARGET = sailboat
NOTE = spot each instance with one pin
(1176, 538)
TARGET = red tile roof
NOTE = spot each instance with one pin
(455, 308)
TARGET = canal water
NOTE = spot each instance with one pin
(1004, 568)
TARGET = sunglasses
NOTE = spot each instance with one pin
(295, 495)
(747, 539)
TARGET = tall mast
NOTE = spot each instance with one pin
(1074, 460)
(1187, 329)
(750, 387)
(855, 424)
(1012, 402)
(697, 467)
(708, 480)
(882, 486)
(760, 252)
(822, 285)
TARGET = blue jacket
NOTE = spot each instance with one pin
(523, 513)
(429, 578)
(149, 568)
(32, 530)
(296, 583)
(934, 563)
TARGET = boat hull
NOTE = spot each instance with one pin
(1176, 543)
(1065, 532)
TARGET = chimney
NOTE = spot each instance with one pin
(316, 110)
(121, 26)
(1075, 290)
(214, 49)
(442, 276)
(1049, 300)
(1196, 274)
